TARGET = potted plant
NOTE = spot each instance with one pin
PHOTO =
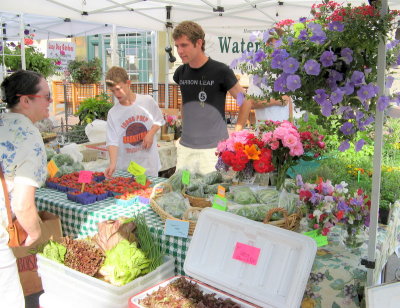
(94, 108)
(85, 72)
(34, 59)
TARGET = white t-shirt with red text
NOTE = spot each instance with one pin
(126, 128)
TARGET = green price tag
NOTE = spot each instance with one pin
(358, 176)
(321, 240)
(141, 179)
(136, 169)
(186, 177)
(219, 203)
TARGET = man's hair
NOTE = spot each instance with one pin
(192, 30)
(116, 75)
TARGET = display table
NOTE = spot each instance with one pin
(166, 152)
(336, 270)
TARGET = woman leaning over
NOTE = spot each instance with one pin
(23, 160)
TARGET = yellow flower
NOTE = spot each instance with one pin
(308, 303)
(252, 152)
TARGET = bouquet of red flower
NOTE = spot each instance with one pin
(245, 153)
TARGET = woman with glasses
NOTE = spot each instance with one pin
(24, 163)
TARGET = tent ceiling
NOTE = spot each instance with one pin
(216, 16)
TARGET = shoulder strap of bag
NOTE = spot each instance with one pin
(6, 197)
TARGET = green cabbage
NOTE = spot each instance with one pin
(124, 263)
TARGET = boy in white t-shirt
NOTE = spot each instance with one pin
(132, 124)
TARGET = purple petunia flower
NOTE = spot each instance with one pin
(266, 36)
(278, 43)
(342, 206)
(326, 108)
(280, 84)
(320, 96)
(318, 39)
(336, 96)
(335, 75)
(256, 80)
(277, 62)
(26, 31)
(336, 26)
(344, 146)
(383, 102)
(347, 55)
(290, 65)
(315, 27)
(302, 19)
(303, 35)
(259, 55)
(234, 63)
(312, 67)
(359, 145)
(389, 82)
(293, 82)
(367, 91)
(369, 121)
(332, 83)
(240, 99)
(347, 128)
(327, 58)
(254, 36)
(357, 78)
(348, 88)
(359, 115)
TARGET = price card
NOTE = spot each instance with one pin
(219, 203)
(136, 169)
(141, 179)
(246, 253)
(321, 240)
(221, 191)
(186, 177)
(52, 168)
(175, 227)
(85, 176)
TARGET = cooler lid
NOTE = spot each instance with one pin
(223, 253)
(387, 295)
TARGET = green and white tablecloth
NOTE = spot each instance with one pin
(79, 220)
(337, 272)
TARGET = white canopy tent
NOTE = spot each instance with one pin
(216, 16)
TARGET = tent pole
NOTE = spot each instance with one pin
(377, 160)
(156, 64)
(114, 46)
(21, 35)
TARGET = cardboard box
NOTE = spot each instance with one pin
(27, 262)
(102, 151)
(258, 263)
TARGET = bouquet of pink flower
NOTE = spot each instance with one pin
(244, 153)
(288, 145)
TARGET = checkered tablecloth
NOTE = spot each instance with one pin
(79, 220)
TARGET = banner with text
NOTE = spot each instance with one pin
(64, 52)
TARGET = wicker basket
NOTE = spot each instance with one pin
(160, 189)
(197, 201)
(289, 222)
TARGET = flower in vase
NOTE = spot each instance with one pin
(244, 153)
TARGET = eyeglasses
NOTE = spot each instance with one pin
(47, 97)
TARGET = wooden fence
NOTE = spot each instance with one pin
(75, 93)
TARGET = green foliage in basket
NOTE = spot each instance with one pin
(93, 108)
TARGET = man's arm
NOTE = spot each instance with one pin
(113, 154)
(148, 139)
(244, 109)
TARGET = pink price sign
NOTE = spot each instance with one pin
(246, 253)
(85, 176)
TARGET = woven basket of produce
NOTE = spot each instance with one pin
(47, 137)
(289, 222)
(162, 188)
(197, 201)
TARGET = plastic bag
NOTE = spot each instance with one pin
(255, 212)
(96, 131)
(212, 178)
(268, 196)
(176, 181)
(288, 201)
(173, 203)
(72, 150)
(243, 195)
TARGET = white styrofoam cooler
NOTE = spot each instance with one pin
(75, 289)
(277, 280)
(386, 295)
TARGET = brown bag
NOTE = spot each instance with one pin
(16, 233)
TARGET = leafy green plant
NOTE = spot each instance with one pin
(85, 71)
(94, 108)
(34, 59)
